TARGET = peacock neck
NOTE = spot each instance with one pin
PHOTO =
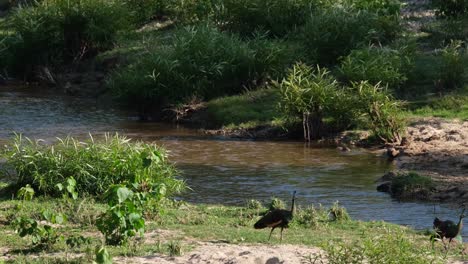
(292, 204)
(460, 225)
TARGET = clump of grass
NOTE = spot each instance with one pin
(174, 248)
(94, 164)
(309, 217)
(254, 204)
(339, 213)
(407, 185)
(276, 203)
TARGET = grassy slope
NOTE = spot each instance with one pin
(185, 223)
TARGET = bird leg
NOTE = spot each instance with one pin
(281, 237)
(273, 228)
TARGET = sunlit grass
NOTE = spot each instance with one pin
(248, 110)
(184, 223)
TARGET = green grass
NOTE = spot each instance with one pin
(185, 223)
(250, 109)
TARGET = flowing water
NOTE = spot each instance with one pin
(226, 171)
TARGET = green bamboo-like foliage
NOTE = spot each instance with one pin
(94, 164)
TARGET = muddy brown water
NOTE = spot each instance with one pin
(226, 171)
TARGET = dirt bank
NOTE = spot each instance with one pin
(209, 252)
(439, 149)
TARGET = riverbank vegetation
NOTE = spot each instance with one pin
(173, 231)
(178, 51)
(53, 211)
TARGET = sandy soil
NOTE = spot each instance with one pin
(439, 149)
(208, 252)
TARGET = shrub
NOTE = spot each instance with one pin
(450, 8)
(192, 11)
(376, 65)
(95, 165)
(333, 32)
(201, 61)
(142, 11)
(124, 217)
(311, 95)
(452, 71)
(384, 114)
(277, 17)
(59, 30)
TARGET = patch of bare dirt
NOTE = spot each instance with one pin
(208, 252)
(416, 13)
(438, 148)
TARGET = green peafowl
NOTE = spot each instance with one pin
(448, 229)
(276, 218)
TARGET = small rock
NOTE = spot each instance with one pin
(392, 152)
(384, 187)
(344, 148)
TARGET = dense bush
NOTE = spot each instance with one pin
(278, 17)
(450, 8)
(95, 165)
(142, 11)
(333, 32)
(384, 114)
(311, 95)
(387, 66)
(201, 61)
(452, 69)
(59, 30)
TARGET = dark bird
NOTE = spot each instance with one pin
(277, 218)
(448, 229)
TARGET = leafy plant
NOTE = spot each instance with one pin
(377, 65)
(69, 189)
(26, 193)
(43, 236)
(77, 241)
(124, 218)
(102, 256)
(311, 95)
(384, 114)
(94, 165)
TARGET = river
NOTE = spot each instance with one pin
(221, 170)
